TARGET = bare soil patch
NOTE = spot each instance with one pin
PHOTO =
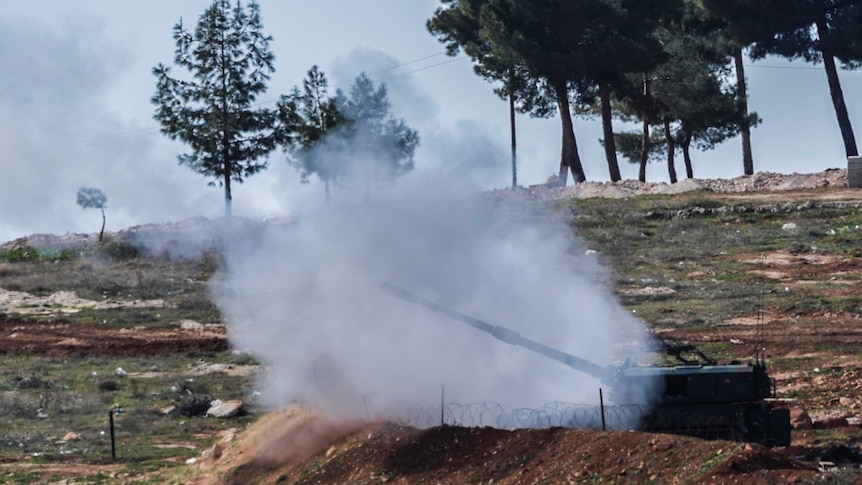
(62, 339)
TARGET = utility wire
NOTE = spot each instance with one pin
(408, 63)
(268, 101)
(795, 68)
(152, 130)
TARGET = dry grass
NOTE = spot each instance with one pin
(7, 270)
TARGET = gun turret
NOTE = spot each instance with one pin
(605, 374)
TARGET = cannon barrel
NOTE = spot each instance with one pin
(605, 374)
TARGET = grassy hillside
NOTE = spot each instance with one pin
(700, 267)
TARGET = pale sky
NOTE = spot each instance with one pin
(76, 81)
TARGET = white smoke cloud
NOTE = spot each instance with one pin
(307, 300)
(59, 134)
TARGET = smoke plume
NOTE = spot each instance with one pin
(307, 300)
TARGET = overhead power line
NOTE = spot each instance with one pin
(155, 129)
(795, 68)
(409, 62)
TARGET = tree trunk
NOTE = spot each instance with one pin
(228, 199)
(514, 144)
(645, 138)
(326, 188)
(835, 87)
(608, 133)
(645, 146)
(742, 93)
(671, 151)
(102, 232)
(569, 159)
(686, 155)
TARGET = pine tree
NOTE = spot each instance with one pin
(695, 103)
(549, 54)
(348, 138)
(311, 115)
(819, 31)
(377, 146)
(740, 24)
(213, 110)
(458, 27)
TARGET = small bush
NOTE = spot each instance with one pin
(18, 255)
(707, 203)
(108, 385)
(32, 381)
(119, 250)
(243, 358)
(192, 398)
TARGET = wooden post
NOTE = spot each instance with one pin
(113, 446)
(442, 405)
(602, 406)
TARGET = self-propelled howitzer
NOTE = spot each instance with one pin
(697, 398)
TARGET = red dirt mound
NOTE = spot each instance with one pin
(389, 453)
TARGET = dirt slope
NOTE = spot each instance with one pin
(293, 446)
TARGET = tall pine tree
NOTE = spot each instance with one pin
(309, 116)
(378, 146)
(817, 31)
(212, 109)
(739, 24)
(457, 25)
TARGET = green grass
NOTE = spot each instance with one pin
(181, 284)
(72, 396)
(42, 399)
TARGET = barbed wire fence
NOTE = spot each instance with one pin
(614, 417)
(617, 417)
(497, 415)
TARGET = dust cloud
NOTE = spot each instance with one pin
(307, 300)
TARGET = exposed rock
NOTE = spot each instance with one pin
(64, 302)
(225, 409)
(800, 419)
(171, 410)
(648, 291)
(192, 325)
(761, 181)
(831, 423)
(213, 454)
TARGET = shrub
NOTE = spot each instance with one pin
(108, 385)
(119, 250)
(32, 381)
(17, 255)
